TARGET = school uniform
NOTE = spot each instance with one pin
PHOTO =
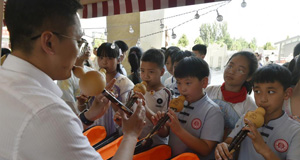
(231, 111)
(282, 135)
(204, 120)
(156, 101)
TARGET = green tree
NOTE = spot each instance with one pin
(253, 44)
(268, 46)
(198, 40)
(183, 41)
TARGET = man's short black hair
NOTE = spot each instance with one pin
(122, 45)
(202, 49)
(271, 73)
(28, 18)
(191, 67)
(154, 56)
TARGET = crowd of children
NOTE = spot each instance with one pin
(172, 72)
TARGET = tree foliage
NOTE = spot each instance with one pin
(268, 46)
(218, 33)
(183, 41)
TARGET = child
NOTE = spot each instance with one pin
(177, 56)
(157, 96)
(199, 126)
(108, 59)
(279, 137)
(232, 96)
(291, 106)
(134, 58)
(169, 54)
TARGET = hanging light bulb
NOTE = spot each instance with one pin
(161, 24)
(131, 29)
(138, 43)
(113, 46)
(244, 4)
(197, 16)
(173, 34)
(219, 17)
(105, 32)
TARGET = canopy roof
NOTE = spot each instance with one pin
(99, 8)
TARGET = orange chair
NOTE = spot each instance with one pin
(95, 134)
(110, 149)
(186, 156)
(160, 152)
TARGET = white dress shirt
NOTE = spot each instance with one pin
(36, 124)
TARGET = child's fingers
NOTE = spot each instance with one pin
(110, 84)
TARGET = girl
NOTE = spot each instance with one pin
(232, 96)
(134, 57)
(108, 58)
(291, 106)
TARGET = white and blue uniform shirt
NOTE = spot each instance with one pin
(204, 120)
(121, 88)
(171, 84)
(156, 101)
(231, 111)
(282, 135)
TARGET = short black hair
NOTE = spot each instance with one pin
(28, 18)
(296, 50)
(191, 67)
(5, 51)
(122, 45)
(201, 48)
(182, 54)
(154, 56)
(271, 73)
(170, 51)
(294, 67)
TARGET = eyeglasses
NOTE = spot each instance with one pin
(79, 42)
(230, 68)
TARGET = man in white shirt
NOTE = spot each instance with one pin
(36, 123)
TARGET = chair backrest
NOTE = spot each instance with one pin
(186, 156)
(160, 152)
(95, 134)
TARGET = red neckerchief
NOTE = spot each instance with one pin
(234, 97)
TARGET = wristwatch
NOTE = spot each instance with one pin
(83, 118)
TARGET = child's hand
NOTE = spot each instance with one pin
(156, 117)
(118, 118)
(133, 125)
(81, 99)
(257, 140)
(222, 152)
(139, 95)
(173, 123)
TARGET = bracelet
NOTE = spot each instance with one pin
(83, 118)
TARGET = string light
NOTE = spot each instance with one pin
(131, 29)
(161, 24)
(105, 32)
(138, 43)
(113, 46)
(173, 34)
(197, 16)
(244, 4)
(219, 17)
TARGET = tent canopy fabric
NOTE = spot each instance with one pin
(99, 8)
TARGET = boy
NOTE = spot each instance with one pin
(279, 137)
(199, 126)
(177, 56)
(157, 96)
(200, 50)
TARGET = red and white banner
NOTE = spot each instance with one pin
(115, 7)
